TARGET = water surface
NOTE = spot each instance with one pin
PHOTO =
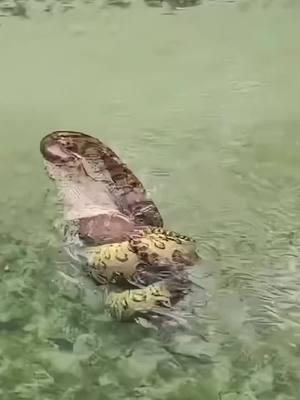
(204, 106)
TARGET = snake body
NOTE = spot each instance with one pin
(114, 229)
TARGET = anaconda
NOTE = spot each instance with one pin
(114, 229)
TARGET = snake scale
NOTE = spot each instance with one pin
(114, 229)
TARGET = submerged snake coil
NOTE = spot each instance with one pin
(114, 229)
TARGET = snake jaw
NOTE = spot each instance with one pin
(61, 148)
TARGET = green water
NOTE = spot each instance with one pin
(204, 106)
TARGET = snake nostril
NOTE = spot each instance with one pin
(68, 145)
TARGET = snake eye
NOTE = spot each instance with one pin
(69, 145)
(66, 144)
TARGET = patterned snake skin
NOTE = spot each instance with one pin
(114, 229)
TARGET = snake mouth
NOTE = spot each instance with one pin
(61, 147)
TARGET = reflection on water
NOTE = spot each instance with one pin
(204, 107)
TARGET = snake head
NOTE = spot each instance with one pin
(61, 147)
(65, 154)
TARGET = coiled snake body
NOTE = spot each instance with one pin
(114, 229)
